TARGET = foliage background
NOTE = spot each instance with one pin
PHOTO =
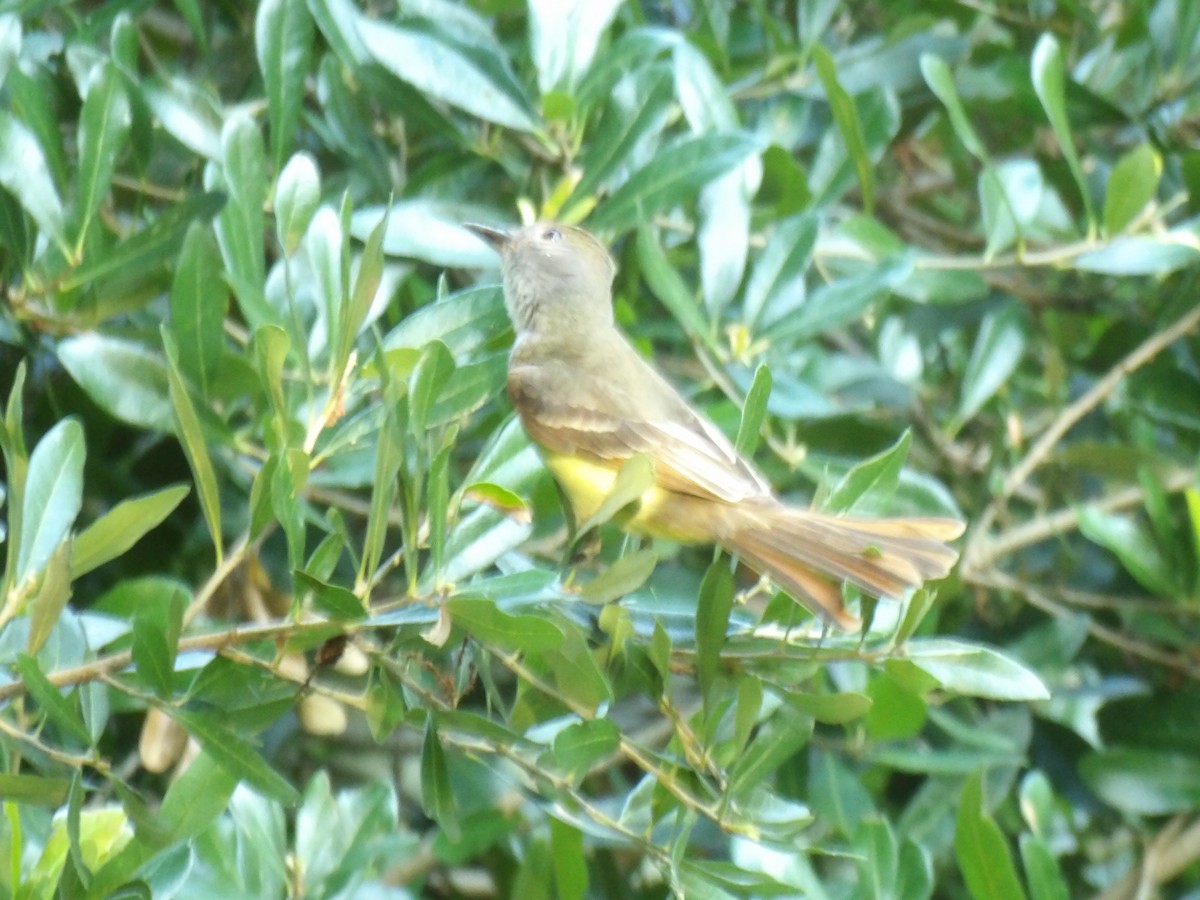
(943, 254)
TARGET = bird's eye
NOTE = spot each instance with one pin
(552, 234)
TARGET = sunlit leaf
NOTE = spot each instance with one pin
(53, 495)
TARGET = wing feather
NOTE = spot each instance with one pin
(690, 455)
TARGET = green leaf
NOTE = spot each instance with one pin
(624, 576)
(845, 115)
(198, 305)
(121, 527)
(464, 322)
(236, 756)
(878, 859)
(777, 741)
(1049, 83)
(25, 173)
(707, 104)
(283, 37)
(577, 675)
(580, 746)
(389, 455)
(622, 127)
(1144, 782)
(10, 42)
(123, 378)
(837, 794)
(46, 606)
(443, 71)
(940, 80)
(837, 303)
(428, 380)
(634, 479)
(156, 630)
(914, 876)
(386, 706)
(998, 348)
(563, 35)
(191, 437)
(53, 496)
(196, 798)
(1045, 879)
(974, 670)
(468, 388)
(241, 221)
(340, 604)
(287, 490)
(667, 285)
(984, 857)
(712, 622)
(1134, 546)
(362, 295)
(780, 267)
(271, 345)
(57, 708)
(1131, 185)
(674, 175)
(522, 633)
(873, 479)
(35, 789)
(103, 129)
(831, 709)
(188, 112)
(754, 412)
(723, 234)
(148, 247)
(429, 229)
(1142, 255)
(437, 793)
(566, 843)
(297, 195)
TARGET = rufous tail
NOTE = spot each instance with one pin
(809, 554)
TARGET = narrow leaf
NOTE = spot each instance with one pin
(53, 496)
(122, 527)
(984, 857)
(237, 756)
(1049, 83)
(845, 114)
(58, 709)
(283, 37)
(674, 175)
(103, 130)
(25, 173)
(191, 436)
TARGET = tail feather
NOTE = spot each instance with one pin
(809, 554)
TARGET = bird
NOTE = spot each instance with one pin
(592, 402)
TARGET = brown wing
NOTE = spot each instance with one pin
(628, 411)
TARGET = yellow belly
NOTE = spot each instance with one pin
(661, 514)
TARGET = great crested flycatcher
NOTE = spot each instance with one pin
(591, 402)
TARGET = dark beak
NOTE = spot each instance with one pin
(495, 238)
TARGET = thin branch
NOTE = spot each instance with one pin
(1141, 355)
(1040, 598)
(986, 550)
